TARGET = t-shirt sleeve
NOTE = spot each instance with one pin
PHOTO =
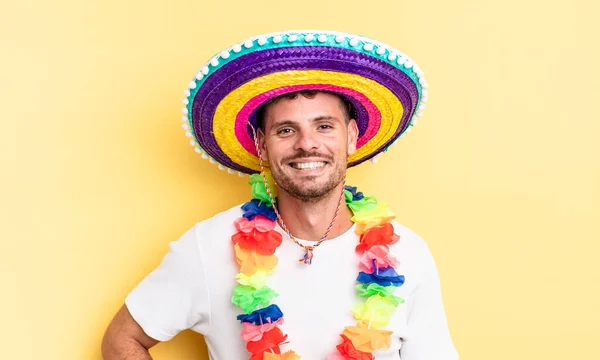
(428, 336)
(174, 296)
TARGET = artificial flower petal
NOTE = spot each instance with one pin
(268, 343)
(253, 332)
(376, 311)
(250, 262)
(256, 280)
(367, 339)
(271, 313)
(378, 256)
(351, 193)
(265, 243)
(362, 227)
(260, 356)
(263, 224)
(368, 209)
(379, 235)
(347, 196)
(245, 225)
(386, 292)
(259, 222)
(255, 207)
(383, 277)
(366, 203)
(347, 351)
(248, 298)
(271, 183)
(259, 191)
(288, 355)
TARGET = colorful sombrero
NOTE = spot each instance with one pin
(385, 87)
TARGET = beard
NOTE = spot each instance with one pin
(313, 188)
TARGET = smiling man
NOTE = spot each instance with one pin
(295, 110)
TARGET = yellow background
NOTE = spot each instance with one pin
(501, 177)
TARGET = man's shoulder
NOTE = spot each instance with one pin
(407, 235)
(410, 243)
(221, 221)
(209, 234)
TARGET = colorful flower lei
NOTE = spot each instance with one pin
(255, 244)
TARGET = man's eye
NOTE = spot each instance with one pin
(325, 127)
(284, 131)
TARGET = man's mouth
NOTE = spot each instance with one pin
(308, 165)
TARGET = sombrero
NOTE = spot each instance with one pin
(385, 87)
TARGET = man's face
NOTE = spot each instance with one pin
(307, 143)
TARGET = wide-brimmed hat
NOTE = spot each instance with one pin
(385, 87)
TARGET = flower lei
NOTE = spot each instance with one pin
(255, 244)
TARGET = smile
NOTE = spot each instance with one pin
(307, 165)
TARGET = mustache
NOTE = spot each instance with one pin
(307, 154)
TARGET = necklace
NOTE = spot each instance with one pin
(308, 256)
(255, 244)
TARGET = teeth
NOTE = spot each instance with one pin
(309, 165)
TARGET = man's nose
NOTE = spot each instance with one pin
(307, 141)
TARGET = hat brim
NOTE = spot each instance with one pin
(384, 86)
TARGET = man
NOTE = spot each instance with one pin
(305, 106)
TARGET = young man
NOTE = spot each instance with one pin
(299, 107)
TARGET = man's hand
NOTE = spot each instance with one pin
(125, 339)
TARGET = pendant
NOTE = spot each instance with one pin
(308, 256)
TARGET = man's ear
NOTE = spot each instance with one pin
(260, 135)
(352, 136)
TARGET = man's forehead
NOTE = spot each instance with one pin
(322, 106)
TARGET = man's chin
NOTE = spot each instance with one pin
(308, 190)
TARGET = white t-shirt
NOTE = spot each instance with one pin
(193, 285)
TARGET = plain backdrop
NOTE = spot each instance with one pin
(501, 176)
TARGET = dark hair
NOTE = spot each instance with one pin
(261, 112)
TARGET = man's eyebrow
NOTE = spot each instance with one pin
(284, 123)
(324, 117)
(292, 122)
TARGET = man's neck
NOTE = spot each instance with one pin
(310, 220)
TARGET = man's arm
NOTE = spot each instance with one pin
(172, 298)
(125, 340)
